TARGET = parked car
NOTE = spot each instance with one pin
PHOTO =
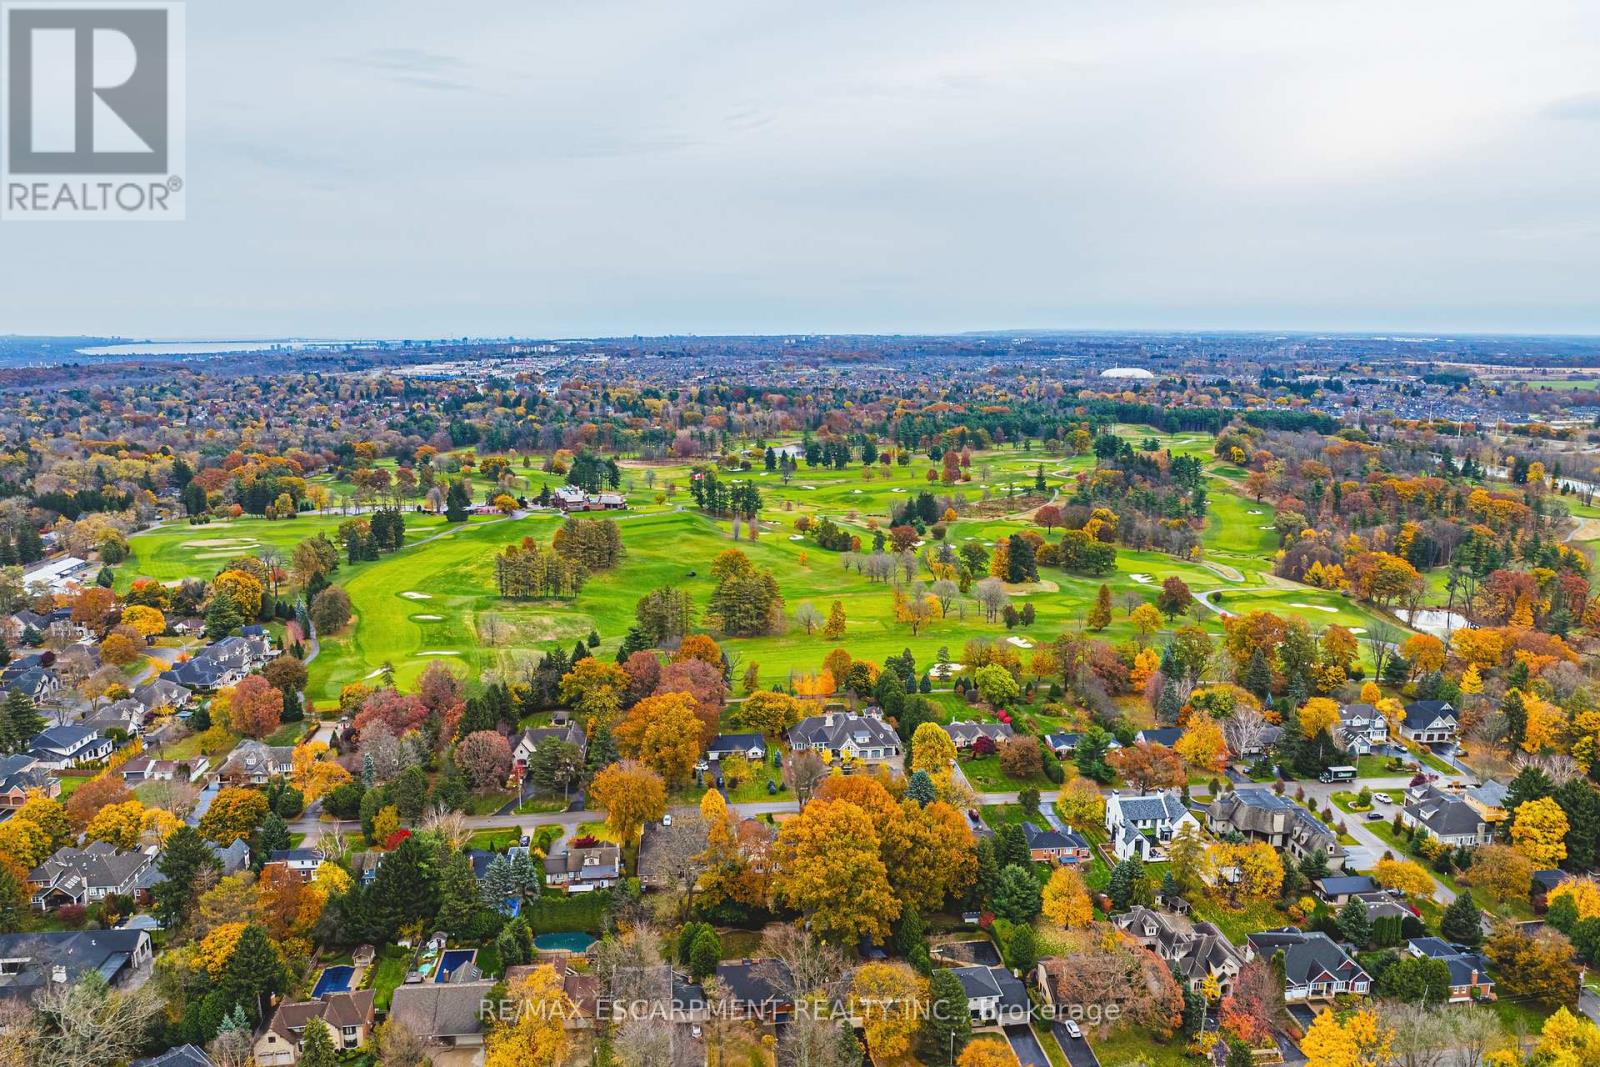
(1073, 1030)
(1374, 816)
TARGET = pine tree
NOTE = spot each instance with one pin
(1024, 950)
(457, 501)
(458, 895)
(185, 856)
(948, 1025)
(272, 836)
(1354, 925)
(255, 973)
(1516, 714)
(403, 891)
(1462, 924)
(920, 788)
(705, 954)
(316, 1045)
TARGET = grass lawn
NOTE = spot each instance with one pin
(753, 790)
(1237, 923)
(70, 784)
(1129, 1045)
(986, 777)
(488, 960)
(488, 803)
(541, 805)
(288, 734)
(493, 840)
(388, 971)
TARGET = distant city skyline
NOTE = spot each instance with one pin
(395, 170)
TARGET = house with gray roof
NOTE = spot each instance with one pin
(1430, 722)
(1258, 814)
(256, 763)
(1314, 967)
(995, 996)
(82, 876)
(534, 736)
(1469, 970)
(583, 870)
(348, 1016)
(1162, 735)
(443, 1015)
(864, 737)
(30, 962)
(1446, 818)
(162, 693)
(61, 747)
(1046, 844)
(1335, 890)
(1362, 727)
(1144, 826)
(1194, 950)
(182, 1056)
(965, 734)
(21, 773)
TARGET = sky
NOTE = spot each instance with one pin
(568, 168)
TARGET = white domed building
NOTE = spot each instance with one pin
(1136, 373)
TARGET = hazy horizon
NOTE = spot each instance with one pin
(566, 170)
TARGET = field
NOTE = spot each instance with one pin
(429, 601)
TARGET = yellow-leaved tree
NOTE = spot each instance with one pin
(829, 867)
(536, 1036)
(631, 795)
(1202, 745)
(1539, 832)
(1318, 714)
(1066, 899)
(1404, 875)
(889, 999)
(931, 748)
(1360, 1040)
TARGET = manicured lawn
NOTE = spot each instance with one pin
(753, 790)
(388, 971)
(986, 777)
(541, 805)
(1237, 923)
(559, 913)
(488, 803)
(1128, 1045)
(493, 840)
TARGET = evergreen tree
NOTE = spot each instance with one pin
(1194, 1009)
(316, 1045)
(185, 856)
(1462, 924)
(1017, 895)
(1516, 714)
(948, 1025)
(602, 749)
(458, 895)
(1581, 804)
(1024, 947)
(255, 973)
(988, 873)
(1531, 783)
(24, 719)
(1011, 847)
(222, 617)
(920, 788)
(272, 836)
(1257, 676)
(705, 954)
(1128, 884)
(457, 501)
(403, 891)
(1354, 926)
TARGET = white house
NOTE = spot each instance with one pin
(1143, 826)
(1430, 722)
(1361, 728)
(69, 746)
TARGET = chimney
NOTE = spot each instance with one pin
(827, 720)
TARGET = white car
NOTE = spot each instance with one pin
(1383, 798)
(1073, 1030)
(666, 820)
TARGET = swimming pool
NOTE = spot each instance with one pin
(452, 961)
(576, 943)
(332, 980)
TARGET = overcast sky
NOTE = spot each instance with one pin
(595, 167)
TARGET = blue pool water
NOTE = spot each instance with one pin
(575, 943)
(452, 961)
(332, 980)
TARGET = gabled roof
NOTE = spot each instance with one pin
(22, 771)
(1310, 957)
(737, 742)
(336, 1009)
(1345, 885)
(1421, 714)
(747, 981)
(1164, 735)
(433, 1010)
(1049, 837)
(105, 952)
(1155, 807)
(182, 1056)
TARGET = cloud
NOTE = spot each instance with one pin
(1584, 107)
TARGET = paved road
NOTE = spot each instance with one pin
(1320, 792)
(313, 828)
(1025, 1043)
(1077, 1049)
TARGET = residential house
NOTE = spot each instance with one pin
(1447, 819)
(22, 773)
(222, 663)
(1469, 971)
(843, 734)
(121, 717)
(1336, 891)
(299, 861)
(1049, 845)
(1543, 883)
(256, 763)
(445, 1015)
(182, 1056)
(1165, 735)
(995, 997)
(82, 876)
(583, 870)
(1265, 740)
(1258, 814)
(1314, 967)
(1194, 950)
(530, 740)
(31, 962)
(1143, 826)
(752, 746)
(1362, 727)
(162, 693)
(149, 769)
(61, 747)
(1488, 799)
(582, 990)
(349, 1017)
(38, 684)
(1065, 744)
(965, 734)
(754, 989)
(1430, 722)
(571, 498)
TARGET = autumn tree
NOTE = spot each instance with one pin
(1539, 832)
(664, 733)
(536, 1035)
(485, 757)
(255, 707)
(1100, 614)
(1066, 899)
(931, 749)
(233, 815)
(594, 688)
(888, 998)
(1359, 1040)
(631, 795)
(834, 628)
(1148, 767)
(768, 712)
(1202, 745)
(829, 866)
(1404, 875)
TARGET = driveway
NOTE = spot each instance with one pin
(1025, 1043)
(1077, 1049)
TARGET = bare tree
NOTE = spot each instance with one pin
(494, 630)
(991, 593)
(1381, 637)
(91, 1024)
(399, 1047)
(1245, 730)
(643, 1042)
(1422, 1036)
(450, 825)
(945, 592)
(799, 965)
(806, 772)
(677, 852)
(1476, 1032)
(806, 615)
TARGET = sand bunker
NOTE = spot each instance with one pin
(1020, 642)
(428, 618)
(941, 670)
(223, 542)
(410, 595)
(1316, 607)
(1143, 579)
(439, 652)
(796, 537)
(1254, 513)
(1358, 629)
